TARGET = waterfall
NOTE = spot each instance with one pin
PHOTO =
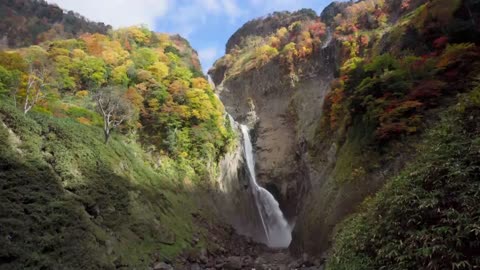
(211, 82)
(275, 227)
(329, 38)
(248, 207)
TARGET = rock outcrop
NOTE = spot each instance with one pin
(284, 118)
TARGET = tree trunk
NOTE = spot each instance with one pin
(107, 135)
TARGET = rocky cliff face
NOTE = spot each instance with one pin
(291, 163)
(284, 118)
(333, 124)
(234, 197)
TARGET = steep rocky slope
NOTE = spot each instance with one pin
(335, 119)
(263, 100)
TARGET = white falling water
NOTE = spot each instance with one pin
(278, 233)
(211, 82)
(329, 38)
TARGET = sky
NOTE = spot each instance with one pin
(207, 24)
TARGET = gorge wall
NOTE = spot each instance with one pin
(321, 151)
(284, 119)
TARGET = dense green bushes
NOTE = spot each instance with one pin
(70, 201)
(428, 216)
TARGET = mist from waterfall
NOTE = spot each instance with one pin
(277, 231)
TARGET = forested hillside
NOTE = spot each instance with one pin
(171, 106)
(109, 145)
(27, 22)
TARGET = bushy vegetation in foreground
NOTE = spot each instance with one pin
(428, 216)
(69, 201)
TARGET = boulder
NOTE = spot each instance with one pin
(233, 263)
(195, 266)
(203, 256)
(162, 266)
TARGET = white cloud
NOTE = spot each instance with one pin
(187, 16)
(211, 5)
(262, 6)
(208, 54)
(231, 8)
(118, 13)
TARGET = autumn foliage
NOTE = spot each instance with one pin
(291, 44)
(173, 108)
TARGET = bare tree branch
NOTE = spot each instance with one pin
(37, 83)
(113, 107)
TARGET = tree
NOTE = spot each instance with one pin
(12, 61)
(12, 68)
(114, 108)
(39, 72)
(159, 70)
(35, 87)
(264, 53)
(91, 70)
(200, 83)
(63, 68)
(144, 57)
(119, 75)
(5, 80)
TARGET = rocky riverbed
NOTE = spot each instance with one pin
(264, 260)
(239, 253)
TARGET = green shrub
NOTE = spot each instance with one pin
(427, 217)
(78, 112)
(67, 198)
